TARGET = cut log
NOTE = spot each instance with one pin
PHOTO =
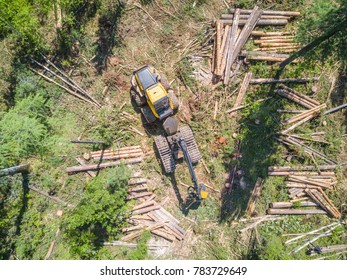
(265, 58)
(116, 150)
(314, 111)
(307, 149)
(146, 210)
(276, 37)
(120, 155)
(233, 41)
(272, 44)
(23, 168)
(245, 33)
(144, 205)
(254, 196)
(299, 173)
(163, 234)
(261, 22)
(82, 162)
(219, 28)
(225, 54)
(290, 204)
(94, 167)
(302, 96)
(259, 42)
(138, 189)
(295, 98)
(246, 16)
(269, 12)
(273, 211)
(262, 33)
(137, 182)
(289, 80)
(302, 168)
(253, 53)
(138, 195)
(242, 91)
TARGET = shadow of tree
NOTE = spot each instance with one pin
(258, 130)
(107, 33)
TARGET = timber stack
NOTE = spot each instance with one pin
(149, 215)
(107, 158)
(232, 32)
(306, 188)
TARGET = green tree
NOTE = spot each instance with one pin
(22, 130)
(100, 215)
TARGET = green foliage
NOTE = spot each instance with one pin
(22, 130)
(18, 18)
(100, 215)
(141, 250)
(321, 18)
(273, 249)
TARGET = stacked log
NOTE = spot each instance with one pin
(306, 182)
(230, 40)
(107, 158)
(150, 215)
(283, 43)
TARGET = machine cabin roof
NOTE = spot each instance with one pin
(146, 78)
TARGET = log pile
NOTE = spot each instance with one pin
(304, 182)
(107, 158)
(275, 42)
(147, 214)
(234, 29)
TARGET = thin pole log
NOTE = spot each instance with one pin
(222, 50)
(314, 239)
(265, 58)
(269, 12)
(259, 42)
(314, 110)
(276, 37)
(286, 204)
(298, 173)
(245, 17)
(288, 80)
(310, 232)
(253, 53)
(23, 168)
(94, 167)
(295, 98)
(64, 88)
(303, 96)
(262, 33)
(302, 168)
(122, 156)
(272, 211)
(261, 22)
(308, 118)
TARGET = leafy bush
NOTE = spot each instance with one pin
(100, 215)
(22, 130)
(140, 252)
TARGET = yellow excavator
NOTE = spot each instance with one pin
(151, 92)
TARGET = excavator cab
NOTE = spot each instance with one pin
(152, 94)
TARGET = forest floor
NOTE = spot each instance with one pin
(167, 34)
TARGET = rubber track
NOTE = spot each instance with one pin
(192, 147)
(165, 154)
